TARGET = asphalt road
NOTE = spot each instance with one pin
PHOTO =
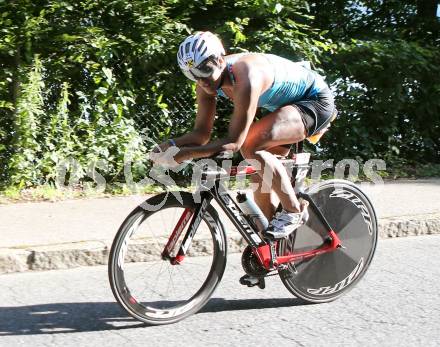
(396, 304)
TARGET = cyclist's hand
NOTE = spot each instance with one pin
(165, 158)
(161, 147)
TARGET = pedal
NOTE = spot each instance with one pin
(262, 283)
(282, 267)
(251, 281)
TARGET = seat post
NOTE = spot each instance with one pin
(299, 147)
(295, 149)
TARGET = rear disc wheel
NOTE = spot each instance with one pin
(351, 215)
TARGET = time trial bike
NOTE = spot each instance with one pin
(169, 254)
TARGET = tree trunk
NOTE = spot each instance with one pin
(16, 90)
(427, 9)
(427, 18)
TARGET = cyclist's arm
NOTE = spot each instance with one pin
(204, 121)
(246, 93)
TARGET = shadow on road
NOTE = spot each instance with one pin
(220, 305)
(95, 316)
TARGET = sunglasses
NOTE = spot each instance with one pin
(203, 70)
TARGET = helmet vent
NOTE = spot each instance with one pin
(194, 45)
(202, 44)
(196, 49)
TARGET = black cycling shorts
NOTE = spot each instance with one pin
(316, 112)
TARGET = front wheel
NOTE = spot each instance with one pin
(326, 277)
(155, 290)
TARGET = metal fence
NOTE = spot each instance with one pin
(177, 113)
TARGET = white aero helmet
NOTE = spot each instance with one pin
(195, 50)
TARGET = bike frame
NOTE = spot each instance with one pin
(262, 248)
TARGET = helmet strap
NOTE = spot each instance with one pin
(222, 79)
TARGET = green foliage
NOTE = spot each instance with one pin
(263, 25)
(110, 83)
(87, 84)
(59, 141)
(388, 100)
(383, 72)
(23, 165)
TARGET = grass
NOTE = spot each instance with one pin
(416, 171)
(43, 193)
(51, 193)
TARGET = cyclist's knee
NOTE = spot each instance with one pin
(249, 151)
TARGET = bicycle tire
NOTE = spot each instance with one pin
(132, 251)
(326, 277)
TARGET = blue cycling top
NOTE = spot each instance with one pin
(292, 82)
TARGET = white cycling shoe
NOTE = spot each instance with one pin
(284, 223)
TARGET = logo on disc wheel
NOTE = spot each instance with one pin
(345, 194)
(340, 285)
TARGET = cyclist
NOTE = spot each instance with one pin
(299, 102)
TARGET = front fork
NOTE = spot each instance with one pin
(174, 237)
(196, 215)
